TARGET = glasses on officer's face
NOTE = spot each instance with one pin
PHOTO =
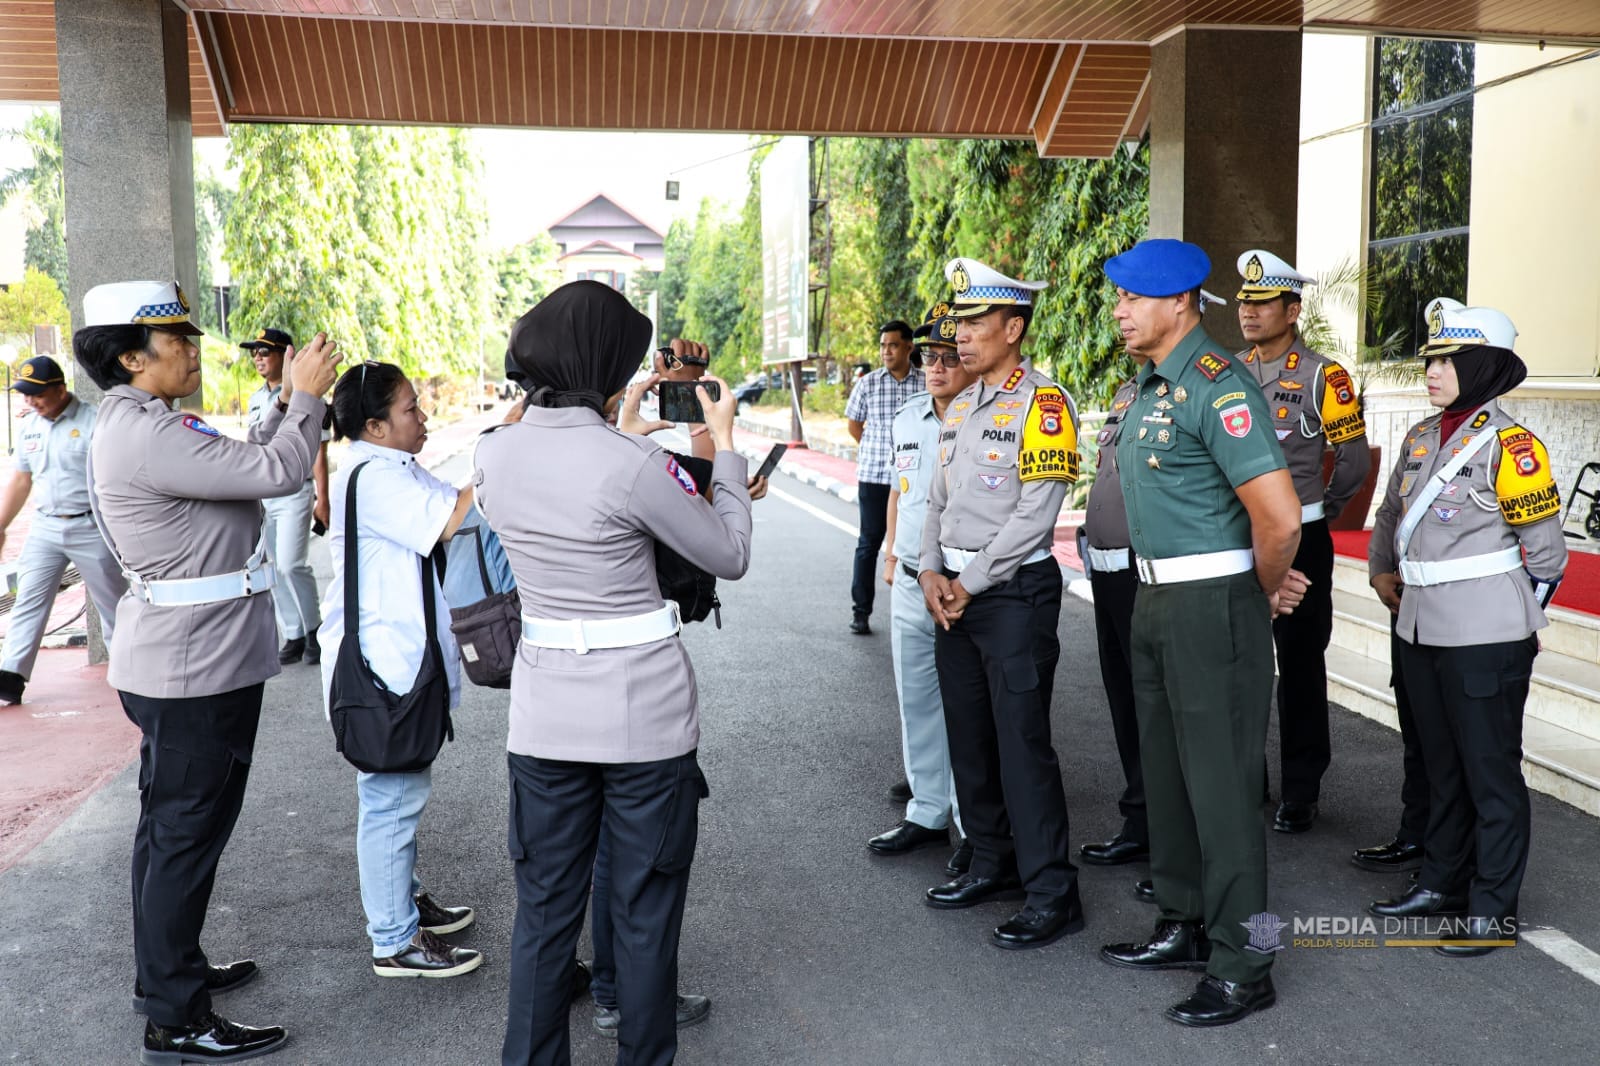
(948, 360)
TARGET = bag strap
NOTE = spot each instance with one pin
(352, 575)
(1435, 485)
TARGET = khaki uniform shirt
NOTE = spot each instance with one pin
(1105, 520)
(181, 500)
(1007, 453)
(1313, 400)
(1504, 496)
(56, 453)
(1197, 430)
(578, 507)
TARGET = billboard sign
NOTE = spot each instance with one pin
(785, 250)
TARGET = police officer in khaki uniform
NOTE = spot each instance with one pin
(1007, 452)
(1314, 405)
(604, 708)
(180, 504)
(1214, 522)
(1467, 550)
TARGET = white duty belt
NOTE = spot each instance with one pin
(958, 559)
(1420, 574)
(1310, 512)
(583, 635)
(257, 577)
(1195, 567)
(1107, 560)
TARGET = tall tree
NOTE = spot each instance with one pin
(36, 300)
(524, 274)
(45, 245)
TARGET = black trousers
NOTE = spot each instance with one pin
(1302, 641)
(194, 761)
(1113, 626)
(997, 669)
(872, 500)
(1414, 788)
(1468, 705)
(651, 813)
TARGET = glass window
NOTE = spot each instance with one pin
(1421, 182)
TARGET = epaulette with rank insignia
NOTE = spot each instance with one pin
(1014, 380)
(1211, 365)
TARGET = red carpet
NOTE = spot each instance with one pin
(1579, 591)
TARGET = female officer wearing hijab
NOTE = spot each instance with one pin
(604, 709)
(180, 505)
(1467, 551)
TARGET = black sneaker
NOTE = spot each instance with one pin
(428, 956)
(11, 686)
(211, 1038)
(313, 649)
(440, 920)
(219, 979)
(692, 1010)
(292, 651)
(859, 626)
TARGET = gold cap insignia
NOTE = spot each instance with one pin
(959, 280)
(947, 330)
(1252, 270)
(939, 310)
(182, 302)
(1435, 321)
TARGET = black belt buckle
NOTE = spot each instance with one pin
(910, 571)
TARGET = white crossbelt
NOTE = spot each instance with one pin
(1310, 512)
(1107, 560)
(583, 635)
(1195, 567)
(1444, 571)
(958, 559)
(194, 591)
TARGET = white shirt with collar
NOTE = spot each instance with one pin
(401, 511)
(56, 452)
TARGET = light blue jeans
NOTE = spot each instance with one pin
(389, 807)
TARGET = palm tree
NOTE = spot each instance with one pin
(41, 183)
(1349, 287)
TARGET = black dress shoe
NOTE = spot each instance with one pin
(960, 860)
(1294, 817)
(900, 791)
(1419, 903)
(971, 889)
(313, 649)
(292, 651)
(692, 1010)
(1114, 852)
(428, 956)
(582, 979)
(1173, 946)
(907, 836)
(210, 1039)
(219, 979)
(858, 625)
(1483, 935)
(11, 686)
(1396, 855)
(1034, 927)
(1144, 891)
(438, 919)
(1219, 1002)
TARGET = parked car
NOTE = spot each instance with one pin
(748, 393)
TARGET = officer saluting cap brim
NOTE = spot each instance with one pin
(1159, 266)
(979, 288)
(157, 304)
(36, 375)
(1267, 277)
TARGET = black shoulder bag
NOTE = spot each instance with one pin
(376, 730)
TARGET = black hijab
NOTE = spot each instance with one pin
(1484, 373)
(577, 347)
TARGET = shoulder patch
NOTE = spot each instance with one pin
(1211, 365)
(685, 482)
(199, 426)
(1049, 439)
(1524, 484)
(1014, 380)
(1342, 421)
(1222, 401)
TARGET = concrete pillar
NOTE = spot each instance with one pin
(128, 157)
(1225, 150)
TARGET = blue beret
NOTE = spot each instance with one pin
(1159, 267)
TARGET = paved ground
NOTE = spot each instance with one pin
(814, 951)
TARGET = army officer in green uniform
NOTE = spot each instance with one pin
(1214, 523)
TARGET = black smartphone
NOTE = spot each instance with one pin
(680, 404)
(317, 527)
(770, 463)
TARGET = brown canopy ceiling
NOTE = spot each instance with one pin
(1073, 75)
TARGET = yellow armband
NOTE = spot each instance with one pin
(1049, 440)
(1341, 409)
(1524, 484)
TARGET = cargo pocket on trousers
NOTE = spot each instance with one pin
(187, 788)
(514, 842)
(681, 830)
(1480, 685)
(1020, 673)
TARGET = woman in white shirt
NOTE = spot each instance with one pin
(402, 511)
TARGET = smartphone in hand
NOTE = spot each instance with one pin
(770, 463)
(679, 402)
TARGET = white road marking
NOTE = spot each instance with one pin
(1565, 950)
(815, 512)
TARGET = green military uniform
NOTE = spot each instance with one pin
(1202, 645)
